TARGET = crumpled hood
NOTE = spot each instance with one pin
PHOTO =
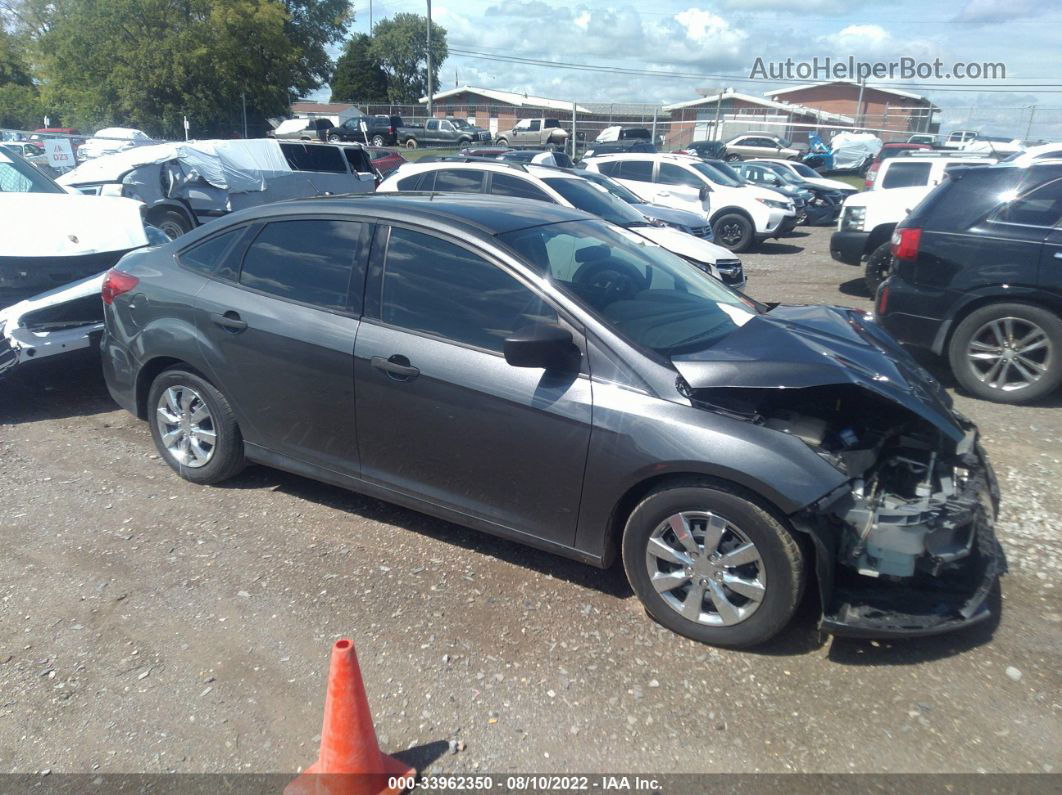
(61, 224)
(804, 346)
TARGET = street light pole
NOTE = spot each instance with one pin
(429, 60)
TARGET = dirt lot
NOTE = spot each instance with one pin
(151, 625)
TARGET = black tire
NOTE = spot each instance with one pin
(780, 555)
(378, 140)
(173, 223)
(411, 143)
(879, 265)
(227, 458)
(1025, 317)
(733, 230)
(733, 158)
(334, 139)
(502, 142)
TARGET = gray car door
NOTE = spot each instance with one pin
(279, 334)
(441, 415)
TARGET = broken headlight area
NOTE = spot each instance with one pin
(906, 545)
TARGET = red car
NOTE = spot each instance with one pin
(887, 151)
(384, 160)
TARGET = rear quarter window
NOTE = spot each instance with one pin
(964, 199)
(314, 157)
(205, 257)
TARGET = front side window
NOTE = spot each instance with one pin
(906, 175)
(670, 174)
(636, 170)
(438, 288)
(460, 180)
(310, 261)
(644, 293)
(534, 125)
(506, 185)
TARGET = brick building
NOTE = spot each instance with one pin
(872, 107)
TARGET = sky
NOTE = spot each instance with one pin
(716, 43)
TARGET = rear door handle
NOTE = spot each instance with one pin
(1058, 255)
(397, 367)
(230, 321)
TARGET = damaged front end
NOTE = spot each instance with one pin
(906, 545)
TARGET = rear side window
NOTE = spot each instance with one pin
(314, 157)
(1041, 206)
(462, 180)
(309, 261)
(438, 288)
(964, 199)
(358, 159)
(505, 185)
(636, 170)
(906, 175)
(205, 257)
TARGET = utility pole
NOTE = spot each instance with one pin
(370, 18)
(429, 60)
(716, 133)
(573, 129)
(1028, 129)
(243, 99)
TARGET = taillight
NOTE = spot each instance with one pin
(872, 174)
(883, 300)
(116, 282)
(905, 243)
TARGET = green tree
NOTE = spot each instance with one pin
(20, 105)
(148, 63)
(358, 74)
(400, 45)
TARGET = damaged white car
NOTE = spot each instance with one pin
(53, 253)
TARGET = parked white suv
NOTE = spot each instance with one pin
(917, 170)
(566, 188)
(740, 214)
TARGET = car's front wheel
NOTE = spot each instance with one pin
(733, 231)
(732, 158)
(194, 427)
(1009, 353)
(879, 264)
(502, 142)
(711, 565)
(334, 139)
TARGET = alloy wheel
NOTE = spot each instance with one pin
(1010, 353)
(186, 426)
(706, 569)
(730, 234)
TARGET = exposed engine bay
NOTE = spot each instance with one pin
(908, 539)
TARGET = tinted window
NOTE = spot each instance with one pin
(205, 257)
(314, 157)
(636, 170)
(906, 175)
(358, 160)
(1041, 206)
(307, 261)
(670, 174)
(610, 169)
(463, 180)
(597, 201)
(505, 185)
(414, 182)
(436, 287)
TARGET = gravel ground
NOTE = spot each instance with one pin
(149, 625)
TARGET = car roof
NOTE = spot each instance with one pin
(491, 214)
(503, 166)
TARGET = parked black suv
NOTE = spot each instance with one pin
(538, 373)
(380, 130)
(978, 278)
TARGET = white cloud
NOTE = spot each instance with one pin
(1001, 10)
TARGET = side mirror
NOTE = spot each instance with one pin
(544, 345)
(704, 192)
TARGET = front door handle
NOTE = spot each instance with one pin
(397, 367)
(230, 321)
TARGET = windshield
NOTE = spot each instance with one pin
(612, 187)
(725, 168)
(804, 171)
(649, 296)
(18, 176)
(717, 176)
(597, 201)
(785, 143)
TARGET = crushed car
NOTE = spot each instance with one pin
(183, 185)
(53, 253)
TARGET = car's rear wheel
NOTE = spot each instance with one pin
(733, 231)
(502, 142)
(879, 264)
(194, 428)
(732, 158)
(1009, 353)
(378, 140)
(411, 143)
(711, 565)
(334, 139)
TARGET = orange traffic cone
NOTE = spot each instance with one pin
(350, 762)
